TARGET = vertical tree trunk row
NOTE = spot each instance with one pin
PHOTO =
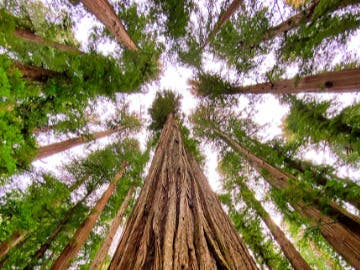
(75, 244)
(105, 246)
(177, 221)
(344, 241)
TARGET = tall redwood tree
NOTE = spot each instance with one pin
(177, 221)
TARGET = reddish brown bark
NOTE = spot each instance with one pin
(82, 233)
(177, 221)
(105, 13)
(345, 241)
(105, 246)
(8, 244)
(35, 73)
(30, 36)
(56, 148)
(294, 257)
(224, 17)
(347, 80)
(299, 18)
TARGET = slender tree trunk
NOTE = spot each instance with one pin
(322, 180)
(344, 241)
(105, 246)
(224, 17)
(347, 80)
(35, 73)
(177, 221)
(56, 148)
(105, 13)
(347, 219)
(75, 244)
(287, 247)
(301, 17)
(45, 246)
(8, 244)
(30, 36)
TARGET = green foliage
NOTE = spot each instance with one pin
(238, 43)
(17, 145)
(307, 120)
(212, 85)
(304, 42)
(165, 103)
(177, 14)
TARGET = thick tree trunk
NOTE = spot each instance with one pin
(8, 244)
(45, 246)
(177, 221)
(82, 233)
(105, 246)
(105, 13)
(345, 241)
(56, 148)
(347, 80)
(30, 36)
(35, 73)
(224, 17)
(287, 247)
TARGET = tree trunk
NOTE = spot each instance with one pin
(30, 36)
(177, 221)
(105, 13)
(82, 233)
(35, 73)
(56, 148)
(224, 17)
(45, 246)
(301, 17)
(322, 180)
(8, 244)
(287, 247)
(344, 241)
(347, 80)
(105, 246)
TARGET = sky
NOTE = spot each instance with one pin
(175, 77)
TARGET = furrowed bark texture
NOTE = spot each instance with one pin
(347, 80)
(177, 221)
(105, 246)
(14, 239)
(30, 36)
(105, 13)
(82, 233)
(55, 148)
(224, 17)
(287, 247)
(345, 241)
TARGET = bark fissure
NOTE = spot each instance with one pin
(177, 221)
